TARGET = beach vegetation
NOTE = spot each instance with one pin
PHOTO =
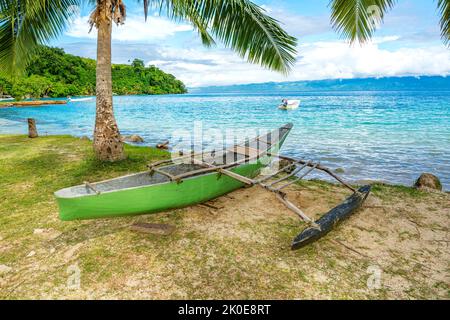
(54, 73)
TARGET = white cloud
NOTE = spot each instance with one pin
(378, 40)
(337, 60)
(299, 25)
(134, 29)
(319, 60)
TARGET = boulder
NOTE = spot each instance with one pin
(163, 145)
(133, 138)
(283, 163)
(428, 181)
(339, 170)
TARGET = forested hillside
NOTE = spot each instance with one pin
(53, 73)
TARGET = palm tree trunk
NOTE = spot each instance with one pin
(108, 145)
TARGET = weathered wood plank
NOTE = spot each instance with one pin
(153, 228)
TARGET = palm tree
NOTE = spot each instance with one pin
(239, 24)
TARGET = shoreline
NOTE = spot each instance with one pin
(355, 182)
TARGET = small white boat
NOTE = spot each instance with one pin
(81, 99)
(6, 98)
(290, 105)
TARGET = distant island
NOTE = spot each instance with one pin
(427, 83)
(54, 73)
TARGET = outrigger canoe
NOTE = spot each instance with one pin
(157, 190)
(190, 180)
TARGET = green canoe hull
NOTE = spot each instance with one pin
(154, 198)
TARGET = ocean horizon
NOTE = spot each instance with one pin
(389, 136)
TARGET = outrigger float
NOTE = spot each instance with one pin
(197, 178)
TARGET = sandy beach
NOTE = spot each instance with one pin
(235, 247)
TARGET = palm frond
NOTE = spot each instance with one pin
(146, 9)
(357, 20)
(24, 25)
(444, 8)
(239, 24)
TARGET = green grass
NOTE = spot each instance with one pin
(33, 169)
(387, 191)
(235, 252)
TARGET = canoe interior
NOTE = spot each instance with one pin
(263, 143)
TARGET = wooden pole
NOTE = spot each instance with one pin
(296, 210)
(318, 167)
(32, 131)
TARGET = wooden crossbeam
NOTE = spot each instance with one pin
(90, 186)
(170, 176)
(245, 151)
(276, 173)
(229, 173)
(298, 178)
(297, 170)
(215, 168)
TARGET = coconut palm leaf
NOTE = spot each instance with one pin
(357, 20)
(444, 8)
(24, 25)
(239, 24)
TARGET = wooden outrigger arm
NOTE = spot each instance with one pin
(316, 229)
(318, 167)
(328, 221)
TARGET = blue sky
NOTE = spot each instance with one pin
(408, 43)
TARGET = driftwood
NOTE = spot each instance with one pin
(32, 131)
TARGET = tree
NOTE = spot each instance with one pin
(239, 24)
(138, 64)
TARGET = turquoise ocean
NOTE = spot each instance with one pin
(385, 135)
